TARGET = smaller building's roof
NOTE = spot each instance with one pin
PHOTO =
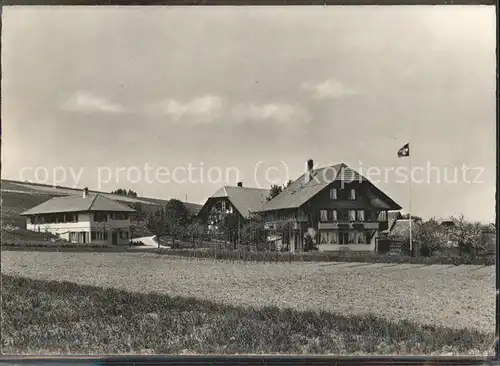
(244, 199)
(401, 228)
(445, 222)
(392, 217)
(92, 202)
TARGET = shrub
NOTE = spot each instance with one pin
(363, 257)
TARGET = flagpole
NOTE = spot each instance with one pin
(409, 163)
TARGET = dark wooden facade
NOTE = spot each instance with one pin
(369, 218)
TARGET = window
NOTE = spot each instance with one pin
(99, 235)
(93, 235)
(382, 215)
(360, 237)
(223, 206)
(352, 215)
(352, 195)
(73, 237)
(70, 217)
(343, 215)
(83, 237)
(334, 215)
(361, 215)
(345, 193)
(333, 193)
(118, 216)
(368, 215)
(352, 237)
(323, 215)
(100, 216)
(328, 237)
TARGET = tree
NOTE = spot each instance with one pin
(194, 229)
(124, 192)
(274, 191)
(310, 241)
(138, 219)
(158, 224)
(177, 218)
(431, 237)
(284, 230)
(231, 226)
(469, 236)
(168, 221)
(252, 231)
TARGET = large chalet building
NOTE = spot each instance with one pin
(343, 209)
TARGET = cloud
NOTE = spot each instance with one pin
(198, 110)
(83, 101)
(213, 109)
(329, 89)
(277, 113)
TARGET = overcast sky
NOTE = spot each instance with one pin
(115, 87)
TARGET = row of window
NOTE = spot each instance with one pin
(54, 218)
(343, 194)
(73, 217)
(83, 237)
(343, 237)
(103, 216)
(99, 235)
(326, 215)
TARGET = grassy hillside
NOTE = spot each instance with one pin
(51, 191)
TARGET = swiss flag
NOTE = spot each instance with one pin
(404, 151)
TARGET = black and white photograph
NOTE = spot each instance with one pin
(248, 180)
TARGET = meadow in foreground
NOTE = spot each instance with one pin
(61, 317)
(460, 297)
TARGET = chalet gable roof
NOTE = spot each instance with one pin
(244, 199)
(300, 191)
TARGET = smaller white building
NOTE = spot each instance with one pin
(89, 218)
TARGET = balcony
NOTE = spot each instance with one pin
(353, 225)
(277, 225)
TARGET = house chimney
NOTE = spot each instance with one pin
(310, 164)
(240, 184)
(308, 175)
(85, 192)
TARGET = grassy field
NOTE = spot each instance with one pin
(460, 297)
(41, 317)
